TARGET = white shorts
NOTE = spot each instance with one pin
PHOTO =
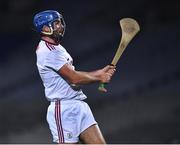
(68, 119)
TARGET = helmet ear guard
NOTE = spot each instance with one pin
(50, 32)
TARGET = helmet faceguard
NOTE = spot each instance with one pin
(47, 18)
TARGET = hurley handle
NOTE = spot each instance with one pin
(102, 85)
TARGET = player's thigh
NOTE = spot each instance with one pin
(92, 135)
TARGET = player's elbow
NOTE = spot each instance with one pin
(77, 78)
(70, 75)
(74, 80)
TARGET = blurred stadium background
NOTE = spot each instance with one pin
(143, 102)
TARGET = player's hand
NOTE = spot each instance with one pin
(106, 73)
(112, 70)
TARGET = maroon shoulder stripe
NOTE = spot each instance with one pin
(48, 46)
(52, 47)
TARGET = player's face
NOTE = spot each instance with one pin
(58, 27)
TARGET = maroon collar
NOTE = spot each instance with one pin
(50, 42)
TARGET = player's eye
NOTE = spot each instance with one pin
(57, 24)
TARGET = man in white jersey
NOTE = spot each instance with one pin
(70, 119)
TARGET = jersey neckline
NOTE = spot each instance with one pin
(50, 42)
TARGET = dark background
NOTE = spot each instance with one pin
(143, 101)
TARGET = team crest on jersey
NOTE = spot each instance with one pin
(69, 135)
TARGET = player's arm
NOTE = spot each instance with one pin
(79, 78)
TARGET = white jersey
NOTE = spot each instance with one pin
(50, 59)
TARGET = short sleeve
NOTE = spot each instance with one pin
(55, 60)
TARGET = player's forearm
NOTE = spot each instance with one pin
(81, 78)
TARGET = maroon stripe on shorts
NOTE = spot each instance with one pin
(58, 121)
